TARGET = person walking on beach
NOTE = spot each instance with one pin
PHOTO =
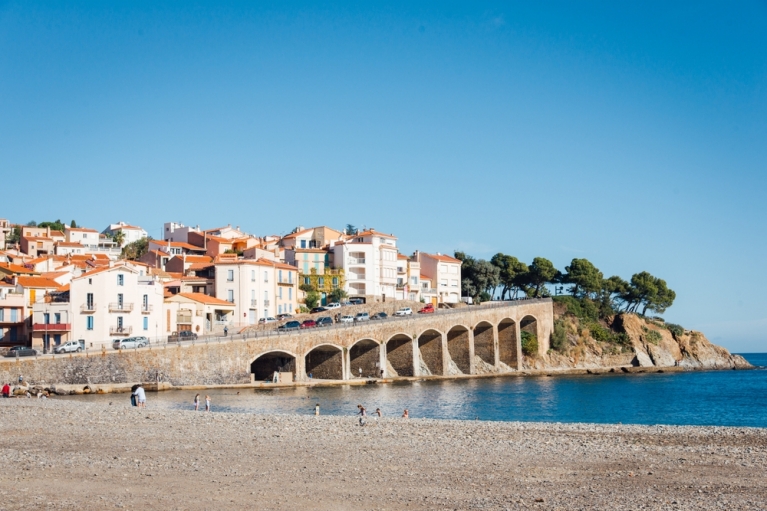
(362, 413)
(317, 409)
(405, 414)
(140, 397)
(196, 402)
(226, 331)
(207, 403)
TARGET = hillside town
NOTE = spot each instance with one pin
(89, 286)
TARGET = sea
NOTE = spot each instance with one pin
(702, 398)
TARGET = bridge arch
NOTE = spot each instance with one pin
(430, 352)
(458, 347)
(365, 359)
(530, 340)
(399, 356)
(266, 364)
(507, 343)
(325, 362)
(484, 342)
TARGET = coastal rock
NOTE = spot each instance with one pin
(642, 359)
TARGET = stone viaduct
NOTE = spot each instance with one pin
(464, 341)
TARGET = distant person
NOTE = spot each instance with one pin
(317, 409)
(405, 414)
(378, 412)
(360, 372)
(133, 401)
(140, 397)
(226, 331)
(196, 402)
(207, 403)
(6, 390)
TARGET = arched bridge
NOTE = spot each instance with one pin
(469, 340)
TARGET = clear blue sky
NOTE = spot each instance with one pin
(631, 135)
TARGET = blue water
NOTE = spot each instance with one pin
(722, 398)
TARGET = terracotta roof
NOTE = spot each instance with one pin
(127, 227)
(296, 234)
(57, 233)
(373, 232)
(81, 229)
(443, 258)
(404, 257)
(69, 244)
(39, 282)
(15, 268)
(424, 277)
(277, 264)
(53, 274)
(64, 288)
(219, 239)
(159, 252)
(119, 265)
(200, 266)
(175, 275)
(37, 238)
(203, 298)
(195, 258)
(5, 284)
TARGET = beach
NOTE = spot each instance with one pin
(59, 454)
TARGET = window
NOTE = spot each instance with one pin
(279, 293)
(306, 281)
(14, 315)
(47, 318)
(252, 275)
(89, 301)
(120, 279)
(279, 276)
(57, 318)
(279, 308)
(90, 281)
(2, 316)
(443, 282)
(266, 296)
(414, 280)
(119, 323)
(145, 302)
(290, 277)
(321, 282)
(290, 293)
(230, 275)
(454, 283)
(266, 276)
(146, 323)
(230, 295)
(335, 281)
(303, 243)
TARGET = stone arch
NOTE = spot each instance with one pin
(365, 354)
(325, 362)
(507, 343)
(528, 325)
(430, 347)
(266, 364)
(458, 348)
(484, 342)
(399, 356)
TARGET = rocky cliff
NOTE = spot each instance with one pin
(630, 340)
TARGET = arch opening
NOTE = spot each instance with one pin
(530, 342)
(507, 343)
(458, 349)
(325, 363)
(264, 367)
(484, 344)
(430, 348)
(364, 359)
(399, 356)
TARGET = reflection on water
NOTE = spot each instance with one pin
(735, 398)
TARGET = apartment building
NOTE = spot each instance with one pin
(5, 232)
(114, 301)
(408, 278)
(176, 231)
(369, 261)
(258, 288)
(196, 312)
(12, 318)
(131, 233)
(444, 273)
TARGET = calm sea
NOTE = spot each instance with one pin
(722, 398)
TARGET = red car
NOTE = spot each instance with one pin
(428, 309)
(309, 323)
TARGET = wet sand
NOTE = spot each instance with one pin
(59, 454)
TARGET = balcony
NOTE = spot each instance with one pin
(254, 303)
(146, 309)
(184, 319)
(88, 307)
(120, 330)
(266, 303)
(356, 260)
(120, 307)
(12, 301)
(401, 270)
(52, 327)
(428, 290)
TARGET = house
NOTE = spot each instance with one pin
(36, 241)
(444, 273)
(196, 312)
(6, 229)
(12, 317)
(89, 238)
(173, 248)
(408, 278)
(176, 231)
(155, 258)
(34, 290)
(369, 261)
(182, 263)
(130, 233)
(64, 248)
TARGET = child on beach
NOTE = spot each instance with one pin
(207, 403)
(196, 402)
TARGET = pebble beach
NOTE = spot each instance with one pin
(59, 454)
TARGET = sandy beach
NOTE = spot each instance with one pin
(59, 454)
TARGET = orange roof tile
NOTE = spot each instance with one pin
(68, 244)
(81, 229)
(57, 234)
(276, 264)
(443, 258)
(38, 282)
(15, 268)
(203, 298)
(373, 232)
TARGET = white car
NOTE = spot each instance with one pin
(407, 311)
(334, 305)
(267, 320)
(346, 319)
(68, 347)
(362, 316)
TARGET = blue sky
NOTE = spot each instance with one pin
(631, 135)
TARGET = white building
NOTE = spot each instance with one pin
(131, 233)
(175, 231)
(443, 273)
(369, 261)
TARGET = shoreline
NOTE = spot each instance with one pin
(178, 459)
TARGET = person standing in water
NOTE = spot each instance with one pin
(317, 409)
(207, 403)
(405, 414)
(196, 402)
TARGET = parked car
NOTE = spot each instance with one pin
(356, 301)
(324, 321)
(280, 317)
(264, 321)
(405, 311)
(362, 316)
(318, 309)
(427, 309)
(184, 335)
(334, 305)
(309, 323)
(21, 351)
(142, 341)
(69, 347)
(290, 325)
(379, 315)
(346, 319)
(125, 344)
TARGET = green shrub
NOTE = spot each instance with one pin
(559, 336)
(676, 330)
(652, 337)
(580, 308)
(529, 344)
(312, 299)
